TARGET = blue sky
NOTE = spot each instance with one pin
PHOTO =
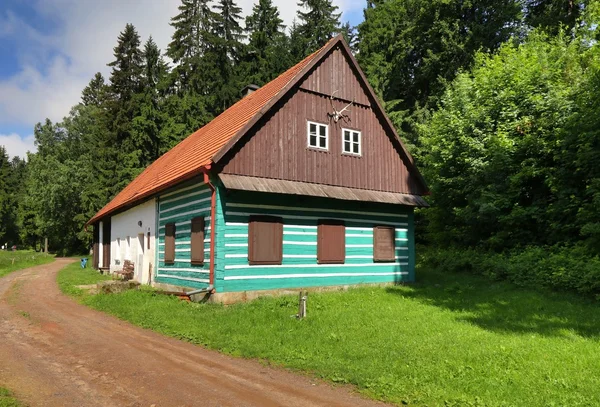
(50, 49)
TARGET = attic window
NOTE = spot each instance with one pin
(318, 136)
(352, 142)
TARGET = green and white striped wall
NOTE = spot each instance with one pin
(180, 207)
(299, 267)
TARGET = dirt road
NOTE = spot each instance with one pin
(55, 352)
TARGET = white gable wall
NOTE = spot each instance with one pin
(129, 240)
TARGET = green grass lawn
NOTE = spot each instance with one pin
(12, 261)
(450, 340)
(73, 275)
(7, 400)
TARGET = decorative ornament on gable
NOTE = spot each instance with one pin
(337, 115)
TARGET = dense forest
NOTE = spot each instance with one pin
(499, 102)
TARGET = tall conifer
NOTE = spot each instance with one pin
(318, 24)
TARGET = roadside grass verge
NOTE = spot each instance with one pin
(7, 399)
(450, 340)
(12, 261)
(73, 275)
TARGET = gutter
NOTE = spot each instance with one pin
(213, 224)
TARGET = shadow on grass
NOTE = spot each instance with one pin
(505, 308)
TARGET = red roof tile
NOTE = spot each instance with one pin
(187, 158)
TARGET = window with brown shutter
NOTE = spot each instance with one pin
(265, 240)
(331, 242)
(197, 241)
(384, 243)
(170, 243)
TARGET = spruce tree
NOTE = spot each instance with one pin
(318, 24)
(96, 92)
(268, 53)
(227, 52)
(192, 39)
(147, 125)
(125, 84)
(125, 77)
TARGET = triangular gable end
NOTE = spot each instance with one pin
(335, 75)
(334, 72)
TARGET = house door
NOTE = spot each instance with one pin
(139, 265)
(106, 244)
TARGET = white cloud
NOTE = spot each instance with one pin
(16, 145)
(55, 68)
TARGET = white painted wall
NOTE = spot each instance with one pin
(100, 251)
(125, 225)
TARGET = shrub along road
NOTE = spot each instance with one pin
(56, 352)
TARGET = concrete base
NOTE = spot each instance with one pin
(243, 296)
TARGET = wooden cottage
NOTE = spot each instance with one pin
(304, 182)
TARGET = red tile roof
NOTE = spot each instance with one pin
(195, 152)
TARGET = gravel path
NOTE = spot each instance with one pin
(56, 352)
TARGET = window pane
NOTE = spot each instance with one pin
(356, 137)
(355, 147)
(322, 130)
(313, 128)
(322, 142)
(346, 146)
(346, 135)
(313, 140)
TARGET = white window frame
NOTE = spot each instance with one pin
(351, 142)
(317, 147)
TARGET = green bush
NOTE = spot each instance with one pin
(558, 268)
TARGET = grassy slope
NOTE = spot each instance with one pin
(73, 275)
(22, 259)
(449, 340)
(6, 399)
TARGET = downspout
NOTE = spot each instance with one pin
(213, 225)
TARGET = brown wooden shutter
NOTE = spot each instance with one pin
(197, 241)
(106, 243)
(265, 240)
(331, 242)
(170, 243)
(384, 243)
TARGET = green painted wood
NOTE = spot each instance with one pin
(411, 247)
(251, 285)
(230, 225)
(220, 231)
(175, 198)
(180, 204)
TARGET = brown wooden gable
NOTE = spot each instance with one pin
(334, 75)
(276, 146)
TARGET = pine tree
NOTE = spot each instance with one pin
(5, 199)
(298, 45)
(350, 35)
(227, 51)
(147, 125)
(192, 39)
(318, 24)
(96, 92)
(125, 84)
(268, 53)
(125, 77)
